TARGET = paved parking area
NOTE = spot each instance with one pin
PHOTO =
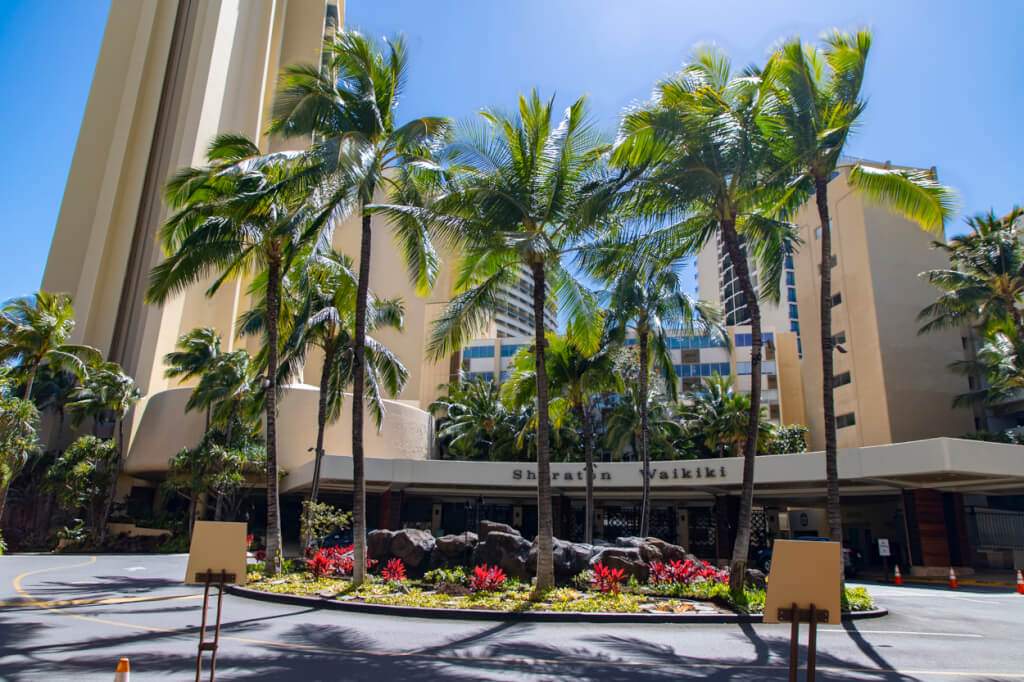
(73, 617)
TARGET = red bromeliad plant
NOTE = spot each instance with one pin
(323, 563)
(345, 561)
(607, 579)
(684, 572)
(487, 578)
(394, 571)
(335, 561)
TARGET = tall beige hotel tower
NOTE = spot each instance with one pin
(171, 75)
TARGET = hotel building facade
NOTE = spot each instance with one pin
(173, 73)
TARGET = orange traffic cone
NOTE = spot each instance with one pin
(1020, 583)
(897, 579)
(952, 579)
(123, 671)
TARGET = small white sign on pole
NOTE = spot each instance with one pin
(883, 547)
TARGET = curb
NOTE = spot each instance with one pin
(945, 581)
(528, 616)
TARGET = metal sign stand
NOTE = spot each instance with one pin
(220, 580)
(796, 616)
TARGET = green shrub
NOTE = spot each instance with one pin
(174, 545)
(857, 599)
(450, 576)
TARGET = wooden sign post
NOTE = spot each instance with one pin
(803, 587)
(216, 557)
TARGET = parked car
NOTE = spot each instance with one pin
(336, 538)
(852, 560)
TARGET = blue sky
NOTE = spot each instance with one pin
(944, 80)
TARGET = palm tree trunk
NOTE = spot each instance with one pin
(321, 421)
(119, 453)
(321, 426)
(218, 513)
(738, 565)
(545, 526)
(588, 451)
(274, 549)
(645, 454)
(192, 505)
(358, 382)
(832, 503)
(3, 499)
(31, 380)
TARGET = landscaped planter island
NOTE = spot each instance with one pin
(411, 573)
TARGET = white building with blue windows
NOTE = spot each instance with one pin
(694, 358)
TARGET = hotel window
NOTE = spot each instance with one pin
(789, 262)
(773, 382)
(839, 338)
(793, 312)
(841, 380)
(743, 368)
(790, 279)
(794, 326)
(844, 420)
(791, 294)
(837, 298)
(510, 350)
(479, 352)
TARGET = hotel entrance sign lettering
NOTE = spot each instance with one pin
(668, 473)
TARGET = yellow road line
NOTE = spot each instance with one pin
(97, 602)
(459, 659)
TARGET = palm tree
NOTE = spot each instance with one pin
(235, 217)
(360, 153)
(819, 104)
(325, 319)
(1000, 361)
(706, 170)
(198, 349)
(106, 395)
(52, 390)
(226, 391)
(624, 427)
(34, 330)
(718, 415)
(650, 301)
(520, 199)
(474, 423)
(576, 378)
(18, 439)
(984, 285)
